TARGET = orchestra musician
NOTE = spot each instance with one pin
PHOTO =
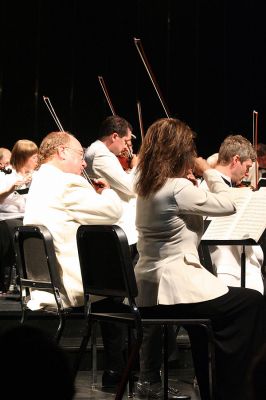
(61, 199)
(13, 193)
(102, 161)
(172, 283)
(101, 157)
(5, 155)
(235, 158)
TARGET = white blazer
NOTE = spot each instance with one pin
(62, 202)
(170, 226)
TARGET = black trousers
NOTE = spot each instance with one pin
(114, 335)
(7, 253)
(239, 324)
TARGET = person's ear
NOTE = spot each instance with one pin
(235, 159)
(61, 152)
(114, 136)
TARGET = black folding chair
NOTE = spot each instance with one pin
(107, 270)
(37, 269)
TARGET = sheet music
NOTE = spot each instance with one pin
(248, 222)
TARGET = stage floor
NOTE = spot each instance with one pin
(10, 313)
(85, 391)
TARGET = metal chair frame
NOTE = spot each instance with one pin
(110, 272)
(37, 269)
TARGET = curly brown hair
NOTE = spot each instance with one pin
(168, 151)
(50, 144)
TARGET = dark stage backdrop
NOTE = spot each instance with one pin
(208, 57)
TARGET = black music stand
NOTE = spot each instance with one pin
(242, 242)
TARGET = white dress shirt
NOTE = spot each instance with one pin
(101, 162)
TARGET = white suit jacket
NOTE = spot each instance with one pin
(14, 205)
(170, 226)
(101, 162)
(62, 202)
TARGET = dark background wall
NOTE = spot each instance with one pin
(208, 57)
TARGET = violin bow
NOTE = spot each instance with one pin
(140, 120)
(61, 129)
(106, 94)
(53, 113)
(144, 59)
(108, 99)
(255, 145)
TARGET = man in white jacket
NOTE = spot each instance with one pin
(115, 133)
(61, 199)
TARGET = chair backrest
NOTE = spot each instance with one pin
(105, 261)
(36, 261)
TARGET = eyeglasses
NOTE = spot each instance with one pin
(81, 153)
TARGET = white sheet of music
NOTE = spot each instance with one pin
(248, 222)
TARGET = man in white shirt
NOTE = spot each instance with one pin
(115, 133)
(236, 155)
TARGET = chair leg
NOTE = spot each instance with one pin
(60, 328)
(94, 354)
(128, 369)
(130, 381)
(211, 362)
(83, 347)
(165, 362)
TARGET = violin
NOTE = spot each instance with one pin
(5, 170)
(125, 160)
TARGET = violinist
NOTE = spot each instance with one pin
(101, 157)
(171, 280)
(235, 158)
(61, 199)
(13, 187)
(5, 155)
(13, 194)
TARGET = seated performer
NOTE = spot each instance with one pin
(61, 199)
(236, 155)
(115, 132)
(14, 184)
(5, 155)
(171, 281)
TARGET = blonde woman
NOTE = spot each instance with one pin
(13, 194)
(13, 187)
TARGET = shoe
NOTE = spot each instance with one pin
(195, 383)
(155, 391)
(110, 379)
